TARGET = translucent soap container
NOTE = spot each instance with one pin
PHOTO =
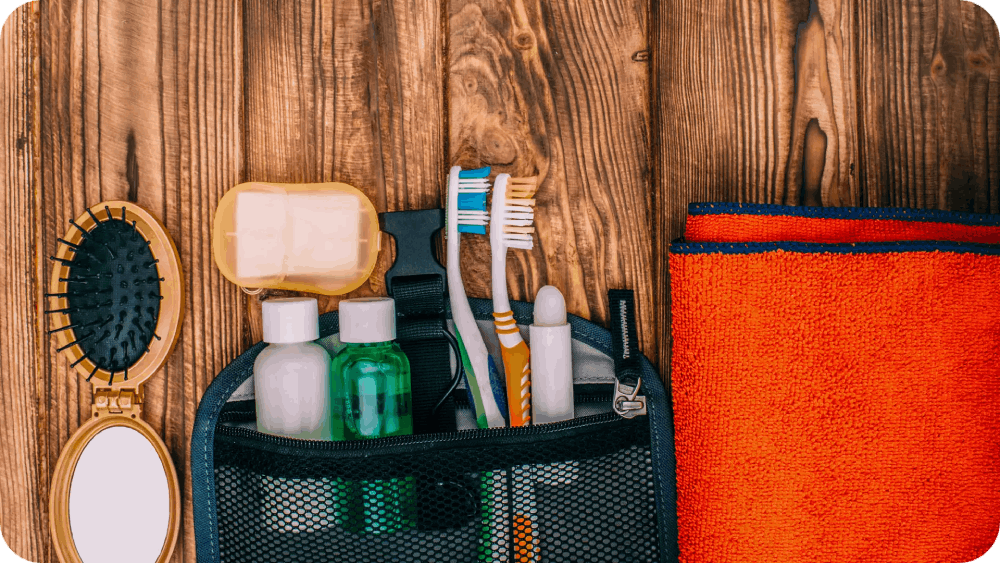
(319, 238)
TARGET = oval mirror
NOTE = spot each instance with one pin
(115, 497)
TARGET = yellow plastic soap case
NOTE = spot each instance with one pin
(119, 404)
(319, 238)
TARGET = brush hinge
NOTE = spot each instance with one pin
(109, 401)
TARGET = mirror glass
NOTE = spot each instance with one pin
(119, 502)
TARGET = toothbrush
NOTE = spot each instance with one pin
(467, 191)
(511, 227)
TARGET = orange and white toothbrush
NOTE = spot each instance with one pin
(512, 216)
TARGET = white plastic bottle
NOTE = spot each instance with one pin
(551, 359)
(292, 375)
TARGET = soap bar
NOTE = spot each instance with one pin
(260, 227)
(325, 229)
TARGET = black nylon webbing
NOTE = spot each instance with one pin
(624, 337)
(420, 325)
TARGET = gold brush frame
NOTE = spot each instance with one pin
(127, 395)
(62, 480)
(171, 307)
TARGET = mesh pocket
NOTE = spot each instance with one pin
(575, 491)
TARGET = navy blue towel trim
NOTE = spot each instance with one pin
(839, 248)
(889, 213)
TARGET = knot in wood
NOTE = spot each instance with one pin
(495, 147)
(641, 56)
(980, 62)
(938, 66)
(524, 40)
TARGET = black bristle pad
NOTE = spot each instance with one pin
(102, 289)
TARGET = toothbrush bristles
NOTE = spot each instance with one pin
(517, 214)
(518, 230)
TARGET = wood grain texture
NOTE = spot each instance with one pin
(348, 92)
(559, 90)
(144, 104)
(930, 78)
(22, 510)
(884, 102)
(626, 109)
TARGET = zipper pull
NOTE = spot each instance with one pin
(627, 401)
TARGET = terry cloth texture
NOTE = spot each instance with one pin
(836, 400)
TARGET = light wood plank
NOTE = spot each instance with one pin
(754, 102)
(143, 103)
(559, 89)
(22, 511)
(347, 92)
(930, 79)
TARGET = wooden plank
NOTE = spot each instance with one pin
(753, 102)
(349, 92)
(559, 89)
(21, 511)
(142, 102)
(930, 78)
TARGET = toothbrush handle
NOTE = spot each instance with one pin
(517, 368)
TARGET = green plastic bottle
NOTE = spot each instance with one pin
(370, 398)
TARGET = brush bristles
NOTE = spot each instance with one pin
(519, 213)
(520, 244)
(519, 230)
(472, 215)
(522, 187)
(473, 184)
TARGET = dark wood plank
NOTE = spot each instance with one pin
(754, 102)
(890, 102)
(22, 511)
(347, 92)
(142, 102)
(930, 78)
(559, 89)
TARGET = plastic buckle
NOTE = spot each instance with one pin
(414, 234)
(629, 404)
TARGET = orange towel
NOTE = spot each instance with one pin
(836, 402)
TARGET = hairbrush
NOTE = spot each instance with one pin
(115, 297)
(115, 306)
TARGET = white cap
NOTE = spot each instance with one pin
(290, 319)
(367, 320)
(550, 307)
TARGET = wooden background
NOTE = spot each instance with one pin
(627, 109)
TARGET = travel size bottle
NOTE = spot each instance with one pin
(292, 375)
(370, 397)
(370, 385)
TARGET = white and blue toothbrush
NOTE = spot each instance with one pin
(467, 190)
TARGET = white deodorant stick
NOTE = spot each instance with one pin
(551, 359)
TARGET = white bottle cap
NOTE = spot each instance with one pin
(367, 320)
(290, 319)
(550, 307)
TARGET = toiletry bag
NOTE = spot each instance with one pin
(597, 488)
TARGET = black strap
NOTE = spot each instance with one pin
(420, 327)
(417, 283)
(624, 336)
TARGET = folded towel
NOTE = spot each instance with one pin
(835, 398)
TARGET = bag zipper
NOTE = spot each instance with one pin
(397, 442)
(585, 394)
